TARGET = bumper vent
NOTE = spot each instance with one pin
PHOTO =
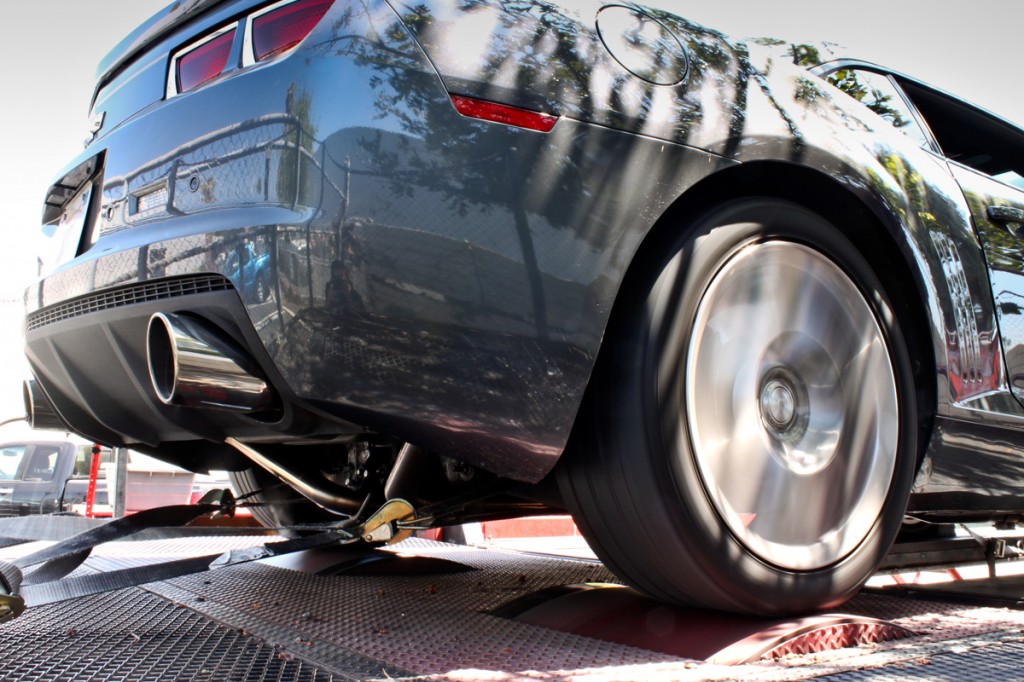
(124, 296)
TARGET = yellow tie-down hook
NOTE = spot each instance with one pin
(383, 525)
(11, 605)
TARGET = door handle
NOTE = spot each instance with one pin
(6, 491)
(1006, 214)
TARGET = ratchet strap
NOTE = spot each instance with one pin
(38, 594)
(995, 548)
(43, 584)
(60, 559)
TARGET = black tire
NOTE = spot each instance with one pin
(645, 474)
(279, 505)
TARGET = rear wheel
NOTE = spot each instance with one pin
(751, 441)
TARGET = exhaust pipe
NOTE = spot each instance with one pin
(194, 364)
(39, 411)
(331, 499)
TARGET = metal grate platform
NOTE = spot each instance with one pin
(133, 635)
(297, 618)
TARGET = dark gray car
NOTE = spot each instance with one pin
(738, 308)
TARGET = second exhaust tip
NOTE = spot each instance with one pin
(39, 411)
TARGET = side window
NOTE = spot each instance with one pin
(10, 460)
(1011, 177)
(970, 136)
(879, 94)
(83, 459)
(42, 463)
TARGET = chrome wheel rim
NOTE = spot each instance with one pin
(791, 405)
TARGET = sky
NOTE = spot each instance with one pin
(51, 48)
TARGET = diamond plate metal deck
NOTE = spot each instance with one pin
(996, 663)
(290, 618)
(133, 635)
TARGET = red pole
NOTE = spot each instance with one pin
(94, 473)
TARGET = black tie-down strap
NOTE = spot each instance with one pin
(72, 588)
(20, 587)
(62, 558)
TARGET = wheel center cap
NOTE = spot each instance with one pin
(778, 405)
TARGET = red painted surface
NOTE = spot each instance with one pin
(619, 614)
(94, 472)
(530, 527)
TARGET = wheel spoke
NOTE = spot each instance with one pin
(791, 405)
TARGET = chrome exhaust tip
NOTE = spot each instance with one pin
(39, 411)
(194, 364)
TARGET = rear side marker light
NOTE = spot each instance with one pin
(502, 113)
(203, 62)
(283, 26)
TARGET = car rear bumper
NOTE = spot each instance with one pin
(423, 275)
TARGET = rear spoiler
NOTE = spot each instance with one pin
(153, 30)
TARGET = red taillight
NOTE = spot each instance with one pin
(205, 62)
(285, 27)
(502, 113)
